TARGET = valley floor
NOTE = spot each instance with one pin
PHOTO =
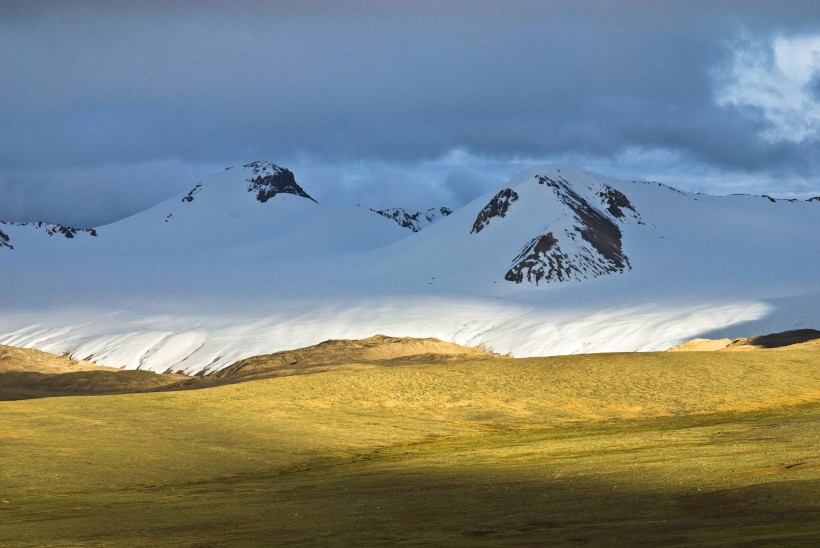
(620, 449)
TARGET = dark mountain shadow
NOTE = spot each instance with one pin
(763, 331)
(786, 338)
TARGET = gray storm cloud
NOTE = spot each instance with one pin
(129, 102)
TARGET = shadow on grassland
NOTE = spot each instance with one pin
(718, 479)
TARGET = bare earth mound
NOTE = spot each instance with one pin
(347, 354)
(787, 340)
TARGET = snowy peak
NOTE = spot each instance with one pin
(579, 217)
(599, 250)
(264, 179)
(257, 205)
(268, 180)
(414, 220)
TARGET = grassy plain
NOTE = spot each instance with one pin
(617, 449)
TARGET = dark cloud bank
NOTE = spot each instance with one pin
(109, 106)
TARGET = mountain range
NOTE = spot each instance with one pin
(558, 261)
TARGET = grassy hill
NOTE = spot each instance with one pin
(674, 448)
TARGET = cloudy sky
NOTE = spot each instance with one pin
(107, 107)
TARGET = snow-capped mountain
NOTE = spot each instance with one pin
(557, 261)
(590, 236)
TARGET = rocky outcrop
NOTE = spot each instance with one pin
(616, 202)
(269, 179)
(498, 206)
(414, 220)
(541, 259)
(4, 241)
(50, 229)
(190, 196)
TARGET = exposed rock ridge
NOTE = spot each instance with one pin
(414, 220)
(775, 200)
(541, 259)
(498, 206)
(657, 183)
(266, 180)
(190, 196)
(51, 229)
(269, 179)
(4, 240)
(617, 202)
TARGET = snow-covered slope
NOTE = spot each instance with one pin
(557, 261)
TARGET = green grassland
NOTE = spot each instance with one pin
(610, 449)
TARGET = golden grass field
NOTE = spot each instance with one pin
(686, 448)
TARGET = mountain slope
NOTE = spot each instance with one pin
(557, 261)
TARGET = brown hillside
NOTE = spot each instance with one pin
(30, 360)
(346, 354)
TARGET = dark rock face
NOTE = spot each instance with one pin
(414, 220)
(67, 231)
(594, 226)
(541, 259)
(268, 180)
(815, 199)
(497, 207)
(4, 240)
(603, 234)
(616, 201)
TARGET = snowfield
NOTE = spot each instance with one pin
(248, 263)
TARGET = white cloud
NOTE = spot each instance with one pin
(776, 80)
